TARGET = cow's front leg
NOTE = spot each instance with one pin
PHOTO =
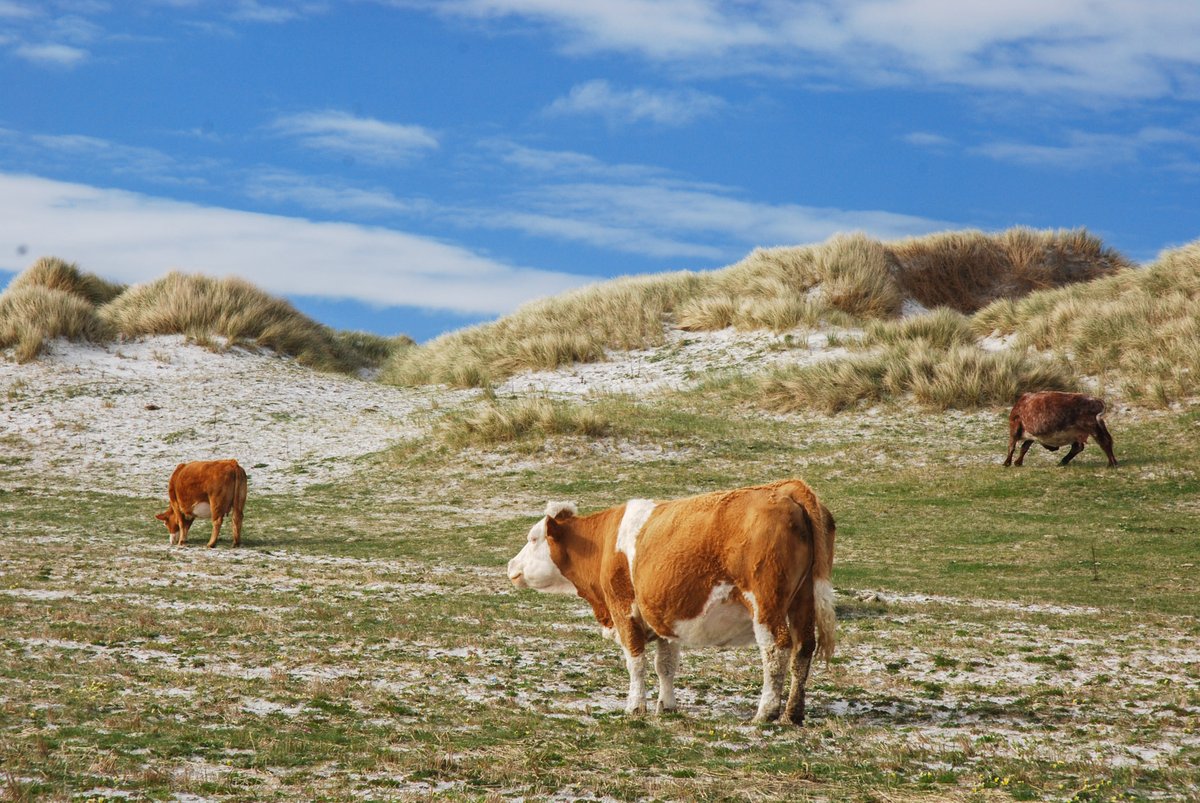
(184, 526)
(775, 647)
(666, 663)
(635, 703)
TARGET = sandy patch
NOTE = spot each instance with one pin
(120, 417)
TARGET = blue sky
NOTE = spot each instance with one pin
(414, 166)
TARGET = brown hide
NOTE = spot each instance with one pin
(220, 484)
(757, 539)
(1055, 419)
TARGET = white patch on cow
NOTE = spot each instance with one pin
(534, 568)
(722, 622)
(202, 510)
(637, 511)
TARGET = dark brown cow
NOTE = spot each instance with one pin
(1054, 419)
(207, 489)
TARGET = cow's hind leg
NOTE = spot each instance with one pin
(237, 525)
(775, 644)
(1076, 448)
(217, 506)
(1021, 457)
(1014, 434)
(666, 662)
(1104, 438)
(802, 653)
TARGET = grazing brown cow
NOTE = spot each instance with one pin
(207, 489)
(1054, 419)
(749, 566)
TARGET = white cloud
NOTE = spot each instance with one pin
(636, 105)
(364, 138)
(1107, 49)
(131, 238)
(51, 55)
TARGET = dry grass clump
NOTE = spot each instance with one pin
(847, 280)
(520, 420)
(31, 315)
(202, 307)
(966, 270)
(1139, 329)
(937, 378)
(575, 327)
(53, 273)
(942, 328)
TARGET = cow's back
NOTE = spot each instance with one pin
(693, 550)
(196, 482)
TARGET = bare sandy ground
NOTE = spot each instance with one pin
(132, 411)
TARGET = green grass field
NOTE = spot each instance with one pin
(1005, 634)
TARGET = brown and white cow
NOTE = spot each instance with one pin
(1054, 419)
(731, 568)
(207, 489)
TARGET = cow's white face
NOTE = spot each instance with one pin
(534, 568)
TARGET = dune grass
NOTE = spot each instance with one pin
(31, 315)
(53, 298)
(1137, 331)
(849, 280)
(577, 326)
(53, 273)
(937, 377)
(527, 420)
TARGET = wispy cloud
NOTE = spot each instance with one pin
(9, 9)
(255, 11)
(552, 163)
(1082, 149)
(363, 138)
(1080, 49)
(327, 194)
(666, 219)
(926, 139)
(636, 105)
(76, 152)
(52, 55)
(132, 237)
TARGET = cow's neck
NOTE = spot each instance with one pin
(585, 542)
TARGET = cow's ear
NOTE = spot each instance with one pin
(161, 516)
(554, 528)
(561, 511)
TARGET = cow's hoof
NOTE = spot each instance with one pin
(764, 719)
(635, 709)
(665, 709)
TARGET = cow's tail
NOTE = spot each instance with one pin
(824, 532)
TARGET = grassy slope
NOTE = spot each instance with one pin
(369, 628)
